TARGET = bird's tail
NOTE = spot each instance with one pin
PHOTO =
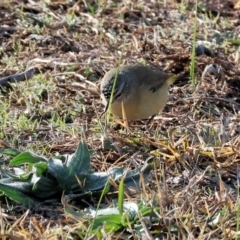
(173, 78)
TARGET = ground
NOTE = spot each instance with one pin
(194, 142)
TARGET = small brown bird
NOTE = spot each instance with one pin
(141, 90)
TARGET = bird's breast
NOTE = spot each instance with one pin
(143, 104)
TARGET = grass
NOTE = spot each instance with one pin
(190, 188)
(193, 55)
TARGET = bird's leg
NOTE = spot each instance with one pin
(105, 109)
(145, 127)
(125, 121)
(150, 119)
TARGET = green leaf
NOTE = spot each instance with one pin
(111, 222)
(17, 196)
(10, 152)
(133, 177)
(40, 168)
(148, 211)
(105, 211)
(76, 214)
(43, 187)
(121, 196)
(235, 42)
(116, 173)
(18, 172)
(22, 186)
(20, 175)
(79, 162)
(95, 181)
(8, 174)
(128, 219)
(26, 157)
(76, 169)
(62, 174)
(79, 196)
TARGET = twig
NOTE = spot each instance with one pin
(215, 98)
(5, 82)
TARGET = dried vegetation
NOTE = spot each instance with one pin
(194, 142)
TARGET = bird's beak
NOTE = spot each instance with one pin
(106, 107)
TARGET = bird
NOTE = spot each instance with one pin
(141, 90)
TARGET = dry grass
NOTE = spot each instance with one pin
(194, 143)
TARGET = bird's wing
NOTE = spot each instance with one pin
(154, 79)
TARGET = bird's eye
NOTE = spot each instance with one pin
(152, 89)
(117, 95)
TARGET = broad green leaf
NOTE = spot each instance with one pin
(22, 186)
(20, 175)
(116, 173)
(130, 207)
(127, 207)
(52, 201)
(10, 152)
(106, 211)
(148, 211)
(26, 176)
(17, 176)
(26, 157)
(77, 214)
(65, 180)
(133, 177)
(128, 219)
(111, 222)
(76, 169)
(18, 171)
(95, 181)
(79, 162)
(235, 42)
(40, 168)
(57, 169)
(17, 196)
(43, 183)
(43, 187)
(68, 180)
(76, 196)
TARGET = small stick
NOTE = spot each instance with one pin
(5, 82)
